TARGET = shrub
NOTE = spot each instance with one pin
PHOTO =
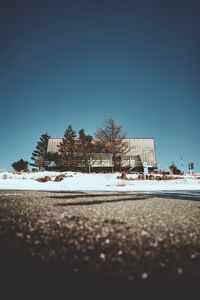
(174, 169)
(20, 165)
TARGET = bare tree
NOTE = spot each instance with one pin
(111, 139)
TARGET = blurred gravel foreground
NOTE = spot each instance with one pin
(67, 245)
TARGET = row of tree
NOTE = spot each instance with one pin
(75, 151)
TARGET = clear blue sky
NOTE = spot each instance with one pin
(78, 62)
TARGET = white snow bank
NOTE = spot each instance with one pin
(93, 182)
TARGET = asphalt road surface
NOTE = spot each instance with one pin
(100, 244)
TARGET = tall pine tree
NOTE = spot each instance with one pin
(85, 148)
(67, 150)
(38, 155)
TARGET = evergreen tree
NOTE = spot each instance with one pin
(111, 137)
(38, 155)
(67, 149)
(85, 148)
(20, 165)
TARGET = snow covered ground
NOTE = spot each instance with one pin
(93, 182)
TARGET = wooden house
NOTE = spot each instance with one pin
(140, 152)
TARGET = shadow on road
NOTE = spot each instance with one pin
(181, 195)
(88, 195)
(136, 196)
(98, 201)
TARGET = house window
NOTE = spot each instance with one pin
(125, 158)
(105, 158)
(101, 160)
